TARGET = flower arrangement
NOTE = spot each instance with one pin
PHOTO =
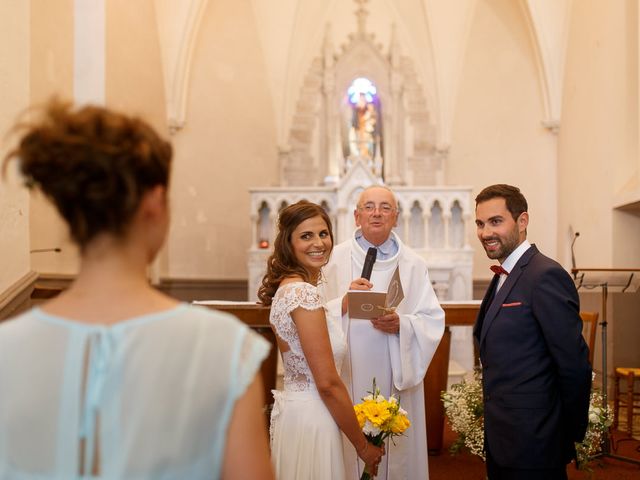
(464, 408)
(380, 418)
(599, 422)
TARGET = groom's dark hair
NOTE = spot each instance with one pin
(515, 201)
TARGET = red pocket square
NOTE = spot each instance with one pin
(514, 304)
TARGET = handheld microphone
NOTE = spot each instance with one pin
(369, 260)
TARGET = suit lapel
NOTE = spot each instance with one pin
(512, 279)
(486, 301)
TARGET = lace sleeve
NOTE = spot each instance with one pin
(303, 295)
(288, 298)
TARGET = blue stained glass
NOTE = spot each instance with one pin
(363, 86)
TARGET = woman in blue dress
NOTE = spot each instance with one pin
(113, 379)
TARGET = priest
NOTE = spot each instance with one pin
(394, 348)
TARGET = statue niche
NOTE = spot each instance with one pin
(347, 97)
(362, 126)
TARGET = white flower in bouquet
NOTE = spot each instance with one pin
(370, 429)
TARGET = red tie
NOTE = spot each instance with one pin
(498, 270)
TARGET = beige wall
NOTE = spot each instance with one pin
(51, 59)
(14, 98)
(134, 81)
(598, 152)
(595, 134)
(227, 146)
(497, 132)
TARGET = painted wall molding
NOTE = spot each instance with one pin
(89, 51)
(178, 27)
(548, 22)
(449, 26)
(17, 297)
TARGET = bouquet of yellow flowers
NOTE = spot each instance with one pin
(380, 418)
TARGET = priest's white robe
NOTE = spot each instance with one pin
(398, 362)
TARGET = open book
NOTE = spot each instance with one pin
(368, 304)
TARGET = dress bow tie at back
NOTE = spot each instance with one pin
(498, 270)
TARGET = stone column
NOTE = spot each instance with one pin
(446, 223)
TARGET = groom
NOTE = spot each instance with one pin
(536, 375)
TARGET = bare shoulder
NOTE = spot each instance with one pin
(99, 306)
(292, 279)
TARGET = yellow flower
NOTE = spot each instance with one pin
(376, 413)
(380, 418)
(399, 424)
(360, 415)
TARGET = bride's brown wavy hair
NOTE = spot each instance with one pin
(283, 263)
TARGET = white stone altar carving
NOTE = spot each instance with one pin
(432, 221)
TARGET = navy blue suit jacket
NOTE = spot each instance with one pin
(535, 369)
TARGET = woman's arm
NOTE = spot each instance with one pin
(314, 339)
(247, 450)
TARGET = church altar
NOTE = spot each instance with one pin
(433, 221)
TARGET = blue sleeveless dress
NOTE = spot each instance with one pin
(152, 396)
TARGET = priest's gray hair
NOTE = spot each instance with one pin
(371, 187)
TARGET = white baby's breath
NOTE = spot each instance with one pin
(464, 408)
(599, 423)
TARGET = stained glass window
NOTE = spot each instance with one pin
(363, 86)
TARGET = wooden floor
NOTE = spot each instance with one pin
(465, 466)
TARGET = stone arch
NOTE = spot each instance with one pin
(314, 155)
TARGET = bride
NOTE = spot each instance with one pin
(314, 406)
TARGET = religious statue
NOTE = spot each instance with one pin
(363, 132)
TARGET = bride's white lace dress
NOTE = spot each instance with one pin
(305, 440)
